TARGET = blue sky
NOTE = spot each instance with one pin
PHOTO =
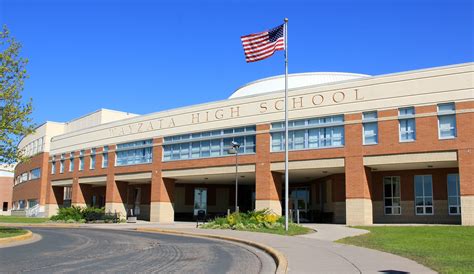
(147, 56)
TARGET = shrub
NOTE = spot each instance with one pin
(79, 214)
(250, 220)
(68, 213)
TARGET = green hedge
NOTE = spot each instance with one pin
(81, 214)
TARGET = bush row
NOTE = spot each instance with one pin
(82, 214)
(250, 220)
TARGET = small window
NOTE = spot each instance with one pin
(71, 162)
(370, 128)
(35, 173)
(105, 160)
(446, 121)
(92, 162)
(406, 124)
(53, 167)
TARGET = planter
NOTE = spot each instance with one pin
(132, 219)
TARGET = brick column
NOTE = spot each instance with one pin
(358, 177)
(268, 184)
(465, 130)
(358, 196)
(466, 176)
(116, 192)
(162, 190)
(78, 193)
(54, 195)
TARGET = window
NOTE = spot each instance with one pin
(67, 193)
(391, 195)
(53, 166)
(370, 127)
(406, 122)
(24, 177)
(423, 195)
(61, 164)
(92, 162)
(323, 132)
(446, 121)
(71, 162)
(105, 160)
(208, 144)
(133, 153)
(81, 160)
(105, 157)
(35, 173)
(454, 201)
(32, 203)
(21, 204)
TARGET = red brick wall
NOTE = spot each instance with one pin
(357, 179)
(33, 189)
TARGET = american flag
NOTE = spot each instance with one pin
(259, 46)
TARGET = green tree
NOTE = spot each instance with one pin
(15, 122)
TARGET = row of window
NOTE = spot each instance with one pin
(24, 204)
(423, 195)
(209, 144)
(322, 132)
(92, 160)
(34, 147)
(406, 124)
(27, 176)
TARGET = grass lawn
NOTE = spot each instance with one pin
(15, 219)
(11, 231)
(446, 249)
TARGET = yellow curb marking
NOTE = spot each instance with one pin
(18, 238)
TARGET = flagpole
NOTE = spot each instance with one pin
(286, 125)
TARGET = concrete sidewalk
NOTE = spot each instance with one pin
(312, 253)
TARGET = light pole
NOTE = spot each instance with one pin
(235, 150)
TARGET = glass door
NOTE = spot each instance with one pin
(200, 200)
(300, 201)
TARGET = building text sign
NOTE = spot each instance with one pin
(239, 111)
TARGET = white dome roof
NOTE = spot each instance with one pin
(298, 80)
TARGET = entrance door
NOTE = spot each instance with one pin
(200, 200)
(300, 200)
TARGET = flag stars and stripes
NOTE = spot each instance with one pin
(259, 46)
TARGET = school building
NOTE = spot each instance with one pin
(395, 148)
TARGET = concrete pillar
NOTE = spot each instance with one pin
(268, 184)
(466, 176)
(162, 190)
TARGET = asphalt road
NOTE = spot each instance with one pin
(95, 250)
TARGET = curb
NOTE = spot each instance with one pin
(48, 225)
(280, 259)
(28, 235)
